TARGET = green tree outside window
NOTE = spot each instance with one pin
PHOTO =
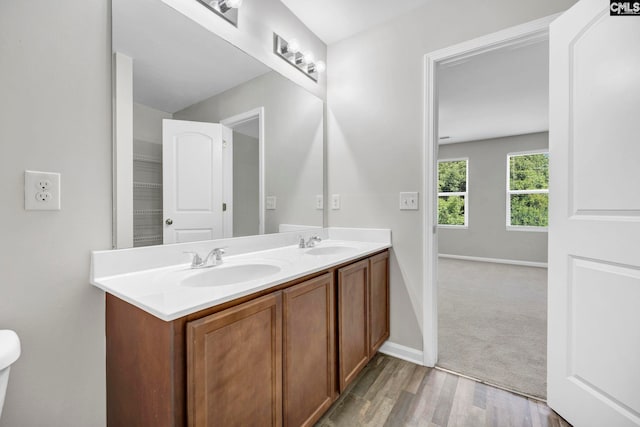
(452, 192)
(528, 190)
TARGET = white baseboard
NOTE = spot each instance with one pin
(402, 352)
(496, 260)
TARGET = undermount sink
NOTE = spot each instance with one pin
(330, 250)
(224, 275)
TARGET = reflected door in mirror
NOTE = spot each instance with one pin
(193, 181)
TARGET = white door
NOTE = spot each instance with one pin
(594, 224)
(193, 181)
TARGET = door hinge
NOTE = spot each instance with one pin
(224, 144)
(224, 207)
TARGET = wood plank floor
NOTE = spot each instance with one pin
(392, 392)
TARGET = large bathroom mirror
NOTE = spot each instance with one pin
(208, 142)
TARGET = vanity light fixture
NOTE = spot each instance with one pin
(227, 9)
(291, 52)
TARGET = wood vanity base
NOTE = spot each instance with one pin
(278, 357)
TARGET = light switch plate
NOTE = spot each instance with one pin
(335, 201)
(409, 201)
(41, 191)
(319, 202)
(271, 203)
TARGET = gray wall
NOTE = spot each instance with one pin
(487, 235)
(375, 118)
(55, 115)
(246, 193)
(293, 142)
(147, 123)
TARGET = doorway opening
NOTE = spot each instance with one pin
(246, 155)
(486, 159)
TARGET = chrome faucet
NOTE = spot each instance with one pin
(309, 243)
(213, 258)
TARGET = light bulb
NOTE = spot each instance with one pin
(234, 3)
(321, 67)
(308, 57)
(293, 46)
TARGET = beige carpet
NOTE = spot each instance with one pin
(493, 323)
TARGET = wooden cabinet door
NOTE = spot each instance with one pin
(234, 366)
(378, 301)
(308, 350)
(353, 310)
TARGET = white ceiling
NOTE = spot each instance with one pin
(176, 62)
(249, 128)
(499, 93)
(334, 20)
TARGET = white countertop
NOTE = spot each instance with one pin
(165, 293)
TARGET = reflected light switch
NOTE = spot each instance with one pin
(335, 202)
(271, 203)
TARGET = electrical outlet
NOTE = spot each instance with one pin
(335, 201)
(319, 202)
(43, 184)
(409, 201)
(43, 196)
(41, 191)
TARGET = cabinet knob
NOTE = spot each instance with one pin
(169, 221)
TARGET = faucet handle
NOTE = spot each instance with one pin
(214, 254)
(301, 243)
(219, 252)
(197, 260)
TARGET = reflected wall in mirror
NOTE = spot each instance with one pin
(219, 144)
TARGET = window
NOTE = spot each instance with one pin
(452, 192)
(528, 190)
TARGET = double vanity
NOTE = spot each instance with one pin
(270, 335)
(247, 327)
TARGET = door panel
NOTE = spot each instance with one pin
(234, 366)
(594, 217)
(192, 171)
(353, 328)
(193, 235)
(604, 299)
(378, 302)
(605, 105)
(309, 350)
(195, 170)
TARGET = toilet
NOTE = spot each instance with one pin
(9, 353)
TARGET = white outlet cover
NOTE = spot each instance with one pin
(41, 191)
(409, 201)
(319, 202)
(271, 203)
(335, 201)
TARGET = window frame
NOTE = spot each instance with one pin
(509, 193)
(465, 194)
